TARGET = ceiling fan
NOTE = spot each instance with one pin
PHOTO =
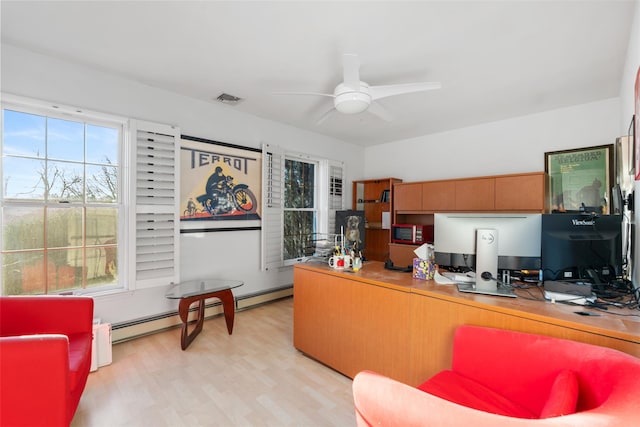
(354, 96)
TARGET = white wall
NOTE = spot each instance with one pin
(222, 254)
(627, 110)
(629, 75)
(508, 146)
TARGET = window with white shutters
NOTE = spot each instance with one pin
(301, 195)
(88, 201)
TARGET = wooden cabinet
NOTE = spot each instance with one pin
(425, 196)
(416, 202)
(333, 319)
(520, 192)
(408, 197)
(475, 194)
(439, 196)
(375, 197)
(403, 328)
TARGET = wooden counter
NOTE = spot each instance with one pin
(388, 322)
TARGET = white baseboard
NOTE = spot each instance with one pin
(130, 330)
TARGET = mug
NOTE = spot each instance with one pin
(347, 261)
(336, 262)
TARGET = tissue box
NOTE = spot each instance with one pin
(423, 269)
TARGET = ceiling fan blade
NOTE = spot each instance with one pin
(378, 92)
(330, 95)
(378, 110)
(351, 70)
(325, 116)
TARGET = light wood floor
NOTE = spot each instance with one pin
(254, 377)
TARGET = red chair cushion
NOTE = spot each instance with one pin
(563, 396)
(464, 391)
(79, 358)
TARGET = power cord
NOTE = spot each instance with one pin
(486, 275)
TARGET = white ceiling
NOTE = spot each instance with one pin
(495, 59)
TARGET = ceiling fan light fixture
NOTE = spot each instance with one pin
(352, 102)
(354, 96)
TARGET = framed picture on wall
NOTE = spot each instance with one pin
(636, 124)
(624, 158)
(631, 142)
(220, 186)
(581, 179)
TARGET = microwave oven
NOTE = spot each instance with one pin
(412, 234)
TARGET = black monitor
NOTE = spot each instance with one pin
(581, 247)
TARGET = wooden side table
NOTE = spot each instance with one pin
(197, 291)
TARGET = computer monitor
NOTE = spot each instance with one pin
(581, 247)
(486, 243)
(518, 239)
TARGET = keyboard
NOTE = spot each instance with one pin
(469, 277)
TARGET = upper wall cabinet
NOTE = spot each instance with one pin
(438, 195)
(408, 197)
(521, 192)
(476, 194)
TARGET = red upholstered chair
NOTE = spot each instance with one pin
(45, 357)
(505, 378)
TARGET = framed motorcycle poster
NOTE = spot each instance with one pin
(220, 186)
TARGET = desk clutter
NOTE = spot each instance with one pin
(619, 294)
(345, 258)
(424, 266)
(346, 253)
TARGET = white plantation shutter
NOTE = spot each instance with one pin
(336, 194)
(272, 206)
(155, 221)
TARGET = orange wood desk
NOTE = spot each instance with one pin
(388, 322)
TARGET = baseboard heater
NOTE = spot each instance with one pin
(126, 331)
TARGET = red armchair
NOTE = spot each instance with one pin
(45, 357)
(505, 378)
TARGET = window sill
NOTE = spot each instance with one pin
(100, 292)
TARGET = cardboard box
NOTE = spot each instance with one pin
(101, 346)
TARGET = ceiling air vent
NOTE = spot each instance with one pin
(225, 98)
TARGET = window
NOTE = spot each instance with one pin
(299, 208)
(66, 223)
(301, 195)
